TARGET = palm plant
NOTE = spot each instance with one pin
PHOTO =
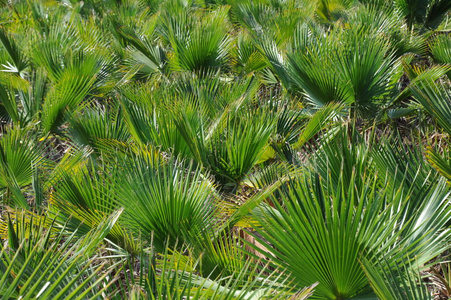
(349, 66)
(428, 14)
(163, 200)
(83, 199)
(143, 53)
(246, 57)
(15, 60)
(198, 46)
(96, 125)
(404, 282)
(436, 100)
(230, 149)
(331, 233)
(440, 50)
(20, 158)
(42, 261)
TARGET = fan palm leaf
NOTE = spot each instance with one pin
(20, 156)
(73, 86)
(440, 50)
(198, 46)
(163, 200)
(436, 100)
(395, 282)
(170, 276)
(95, 124)
(83, 199)
(321, 236)
(17, 62)
(38, 263)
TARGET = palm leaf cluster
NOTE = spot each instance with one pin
(225, 149)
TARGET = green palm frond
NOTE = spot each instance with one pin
(17, 62)
(418, 76)
(234, 151)
(73, 159)
(50, 52)
(440, 162)
(31, 99)
(428, 14)
(20, 157)
(74, 85)
(83, 199)
(425, 222)
(330, 231)
(147, 54)
(436, 100)
(9, 103)
(46, 263)
(343, 157)
(246, 57)
(405, 166)
(163, 199)
(95, 124)
(325, 243)
(149, 125)
(440, 50)
(169, 275)
(198, 46)
(347, 66)
(395, 282)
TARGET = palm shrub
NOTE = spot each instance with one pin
(351, 66)
(246, 57)
(144, 56)
(276, 20)
(12, 56)
(152, 114)
(223, 149)
(83, 197)
(164, 200)
(202, 125)
(198, 45)
(20, 155)
(249, 135)
(386, 21)
(98, 125)
(440, 50)
(424, 14)
(74, 84)
(149, 124)
(330, 233)
(435, 98)
(319, 247)
(345, 188)
(246, 284)
(17, 81)
(344, 157)
(402, 281)
(172, 275)
(43, 261)
(212, 94)
(421, 15)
